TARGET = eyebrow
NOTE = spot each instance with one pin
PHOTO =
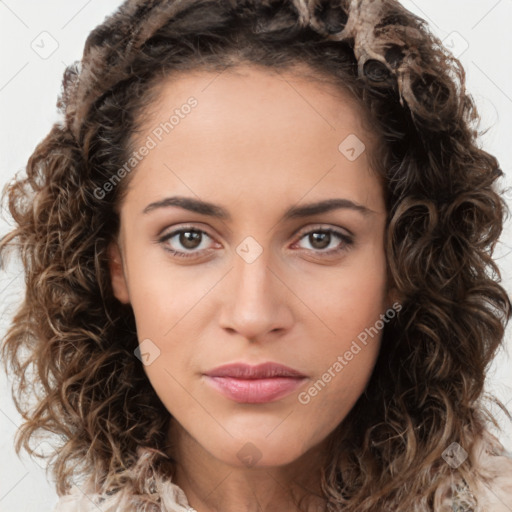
(294, 212)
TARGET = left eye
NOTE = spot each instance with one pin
(191, 240)
(322, 238)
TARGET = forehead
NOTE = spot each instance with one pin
(256, 93)
(253, 131)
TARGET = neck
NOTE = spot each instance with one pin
(214, 486)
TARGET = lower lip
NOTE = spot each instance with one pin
(255, 391)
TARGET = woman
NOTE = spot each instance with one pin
(259, 266)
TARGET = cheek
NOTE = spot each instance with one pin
(163, 297)
(343, 365)
(348, 298)
(348, 304)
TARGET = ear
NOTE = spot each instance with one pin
(117, 276)
(393, 298)
(393, 295)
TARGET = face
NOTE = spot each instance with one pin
(241, 270)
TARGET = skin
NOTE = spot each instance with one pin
(257, 143)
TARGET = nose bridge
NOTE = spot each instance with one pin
(251, 263)
(254, 304)
(251, 277)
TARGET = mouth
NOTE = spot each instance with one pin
(263, 383)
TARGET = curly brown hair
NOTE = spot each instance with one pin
(71, 343)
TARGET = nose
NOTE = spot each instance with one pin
(256, 300)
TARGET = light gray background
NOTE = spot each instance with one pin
(37, 40)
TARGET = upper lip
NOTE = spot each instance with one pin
(261, 371)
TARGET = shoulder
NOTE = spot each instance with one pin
(170, 498)
(71, 502)
(493, 467)
(487, 487)
(145, 490)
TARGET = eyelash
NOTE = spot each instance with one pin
(346, 239)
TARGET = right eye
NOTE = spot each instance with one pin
(187, 238)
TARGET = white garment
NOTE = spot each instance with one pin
(173, 500)
(493, 469)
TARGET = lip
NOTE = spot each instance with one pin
(260, 371)
(263, 383)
